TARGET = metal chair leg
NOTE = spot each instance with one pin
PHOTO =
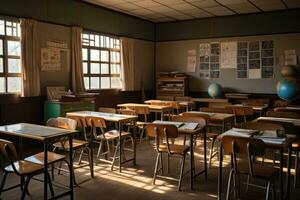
(155, 168)
(25, 187)
(296, 168)
(268, 190)
(115, 154)
(50, 185)
(161, 164)
(99, 151)
(181, 172)
(211, 151)
(247, 183)
(3, 182)
(168, 163)
(229, 184)
(80, 157)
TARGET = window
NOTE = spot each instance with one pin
(10, 52)
(101, 61)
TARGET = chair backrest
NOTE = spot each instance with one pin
(141, 110)
(195, 114)
(289, 128)
(127, 111)
(162, 130)
(95, 122)
(218, 104)
(167, 98)
(282, 114)
(286, 109)
(107, 110)
(63, 122)
(256, 102)
(241, 110)
(184, 98)
(243, 147)
(201, 121)
(262, 126)
(7, 153)
(216, 110)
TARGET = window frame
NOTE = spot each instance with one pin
(4, 39)
(109, 62)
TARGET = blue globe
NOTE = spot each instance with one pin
(288, 89)
(214, 90)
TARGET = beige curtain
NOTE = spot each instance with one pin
(127, 63)
(77, 71)
(29, 58)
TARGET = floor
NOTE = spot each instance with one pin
(135, 182)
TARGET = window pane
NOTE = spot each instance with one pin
(95, 55)
(95, 83)
(1, 47)
(2, 84)
(114, 56)
(95, 68)
(86, 82)
(97, 41)
(92, 40)
(104, 82)
(84, 54)
(1, 65)
(14, 65)
(104, 68)
(115, 82)
(13, 48)
(115, 69)
(14, 84)
(1, 27)
(104, 56)
(85, 67)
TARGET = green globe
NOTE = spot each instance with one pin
(214, 90)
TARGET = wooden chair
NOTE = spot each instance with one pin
(98, 126)
(165, 98)
(285, 109)
(166, 132)
(245, 112)
(218, 104)
(246, 149)
(142, 112)
(281, 114)
(263, 126)
(23, 168)
(107, 110)
(216, 110)
(79, 145)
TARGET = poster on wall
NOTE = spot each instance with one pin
(290, 57)
(50, 59)
(191, 60)
(242, 60)
(204, 53)
(254, 60)
(209, 57)
(267, 59)
(228, 55)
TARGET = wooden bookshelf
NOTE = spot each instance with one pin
(171, 85)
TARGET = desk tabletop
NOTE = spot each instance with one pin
(182, 103)
(207, 100)
(183, 127)
(214, 116)
(237, 95)
(151, 107)
(296, 122)
(107, 116)
(255, 107)
(33, 131)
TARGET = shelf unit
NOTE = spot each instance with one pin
(171, 85)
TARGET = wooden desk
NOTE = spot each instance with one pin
(117, 118)
(152, 108)
(260, 109)
(217, 118)
(296, 122)
(43, 134)
(188, 105)
(207, 100)
(281, 147)
(237, 96)
(191, 133)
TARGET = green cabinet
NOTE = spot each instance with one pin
(59, 109)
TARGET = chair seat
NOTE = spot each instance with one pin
(39, 158)
(259, 171)
(174, 148)
(76, 144)
(296, 145)
(24, 167)
(141, 124)
(113, 134)
(212, 135)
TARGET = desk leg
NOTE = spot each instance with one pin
(220, 172)
(92, 156)
(71, 167)
(288, 185)
(45, 169)
(205, 158)
(120, 148)
(134, 143)
(192, 161)
(21, 158)
(162, 115)
(281, 174)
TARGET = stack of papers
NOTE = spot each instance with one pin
(177, 124)
(189, 126)
(241, 132)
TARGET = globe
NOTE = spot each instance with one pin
(214, 90)
(288, 89)
(289, 71)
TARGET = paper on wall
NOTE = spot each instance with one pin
(254, 73)
(50, 59)
(191, 52)
(191, 64)
(290, 57)
(228, 55)
(204, 49)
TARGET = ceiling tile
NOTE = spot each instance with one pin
(182, 6)
(142, 11)
(292, 3)
(269, 5)
(220, 10)
(168, 2)
(161, 9)
(205, 3)
(146, 3)
(127, 6)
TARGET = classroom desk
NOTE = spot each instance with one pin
(281, 147)
(191, 132)
(207, 100)
(153, 108)
(260, 109)
(187, 105)
(217, 118)
(117, 118)
(43, 134)
(237, 96)
(296, 122)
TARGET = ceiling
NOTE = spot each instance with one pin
(176, 10)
